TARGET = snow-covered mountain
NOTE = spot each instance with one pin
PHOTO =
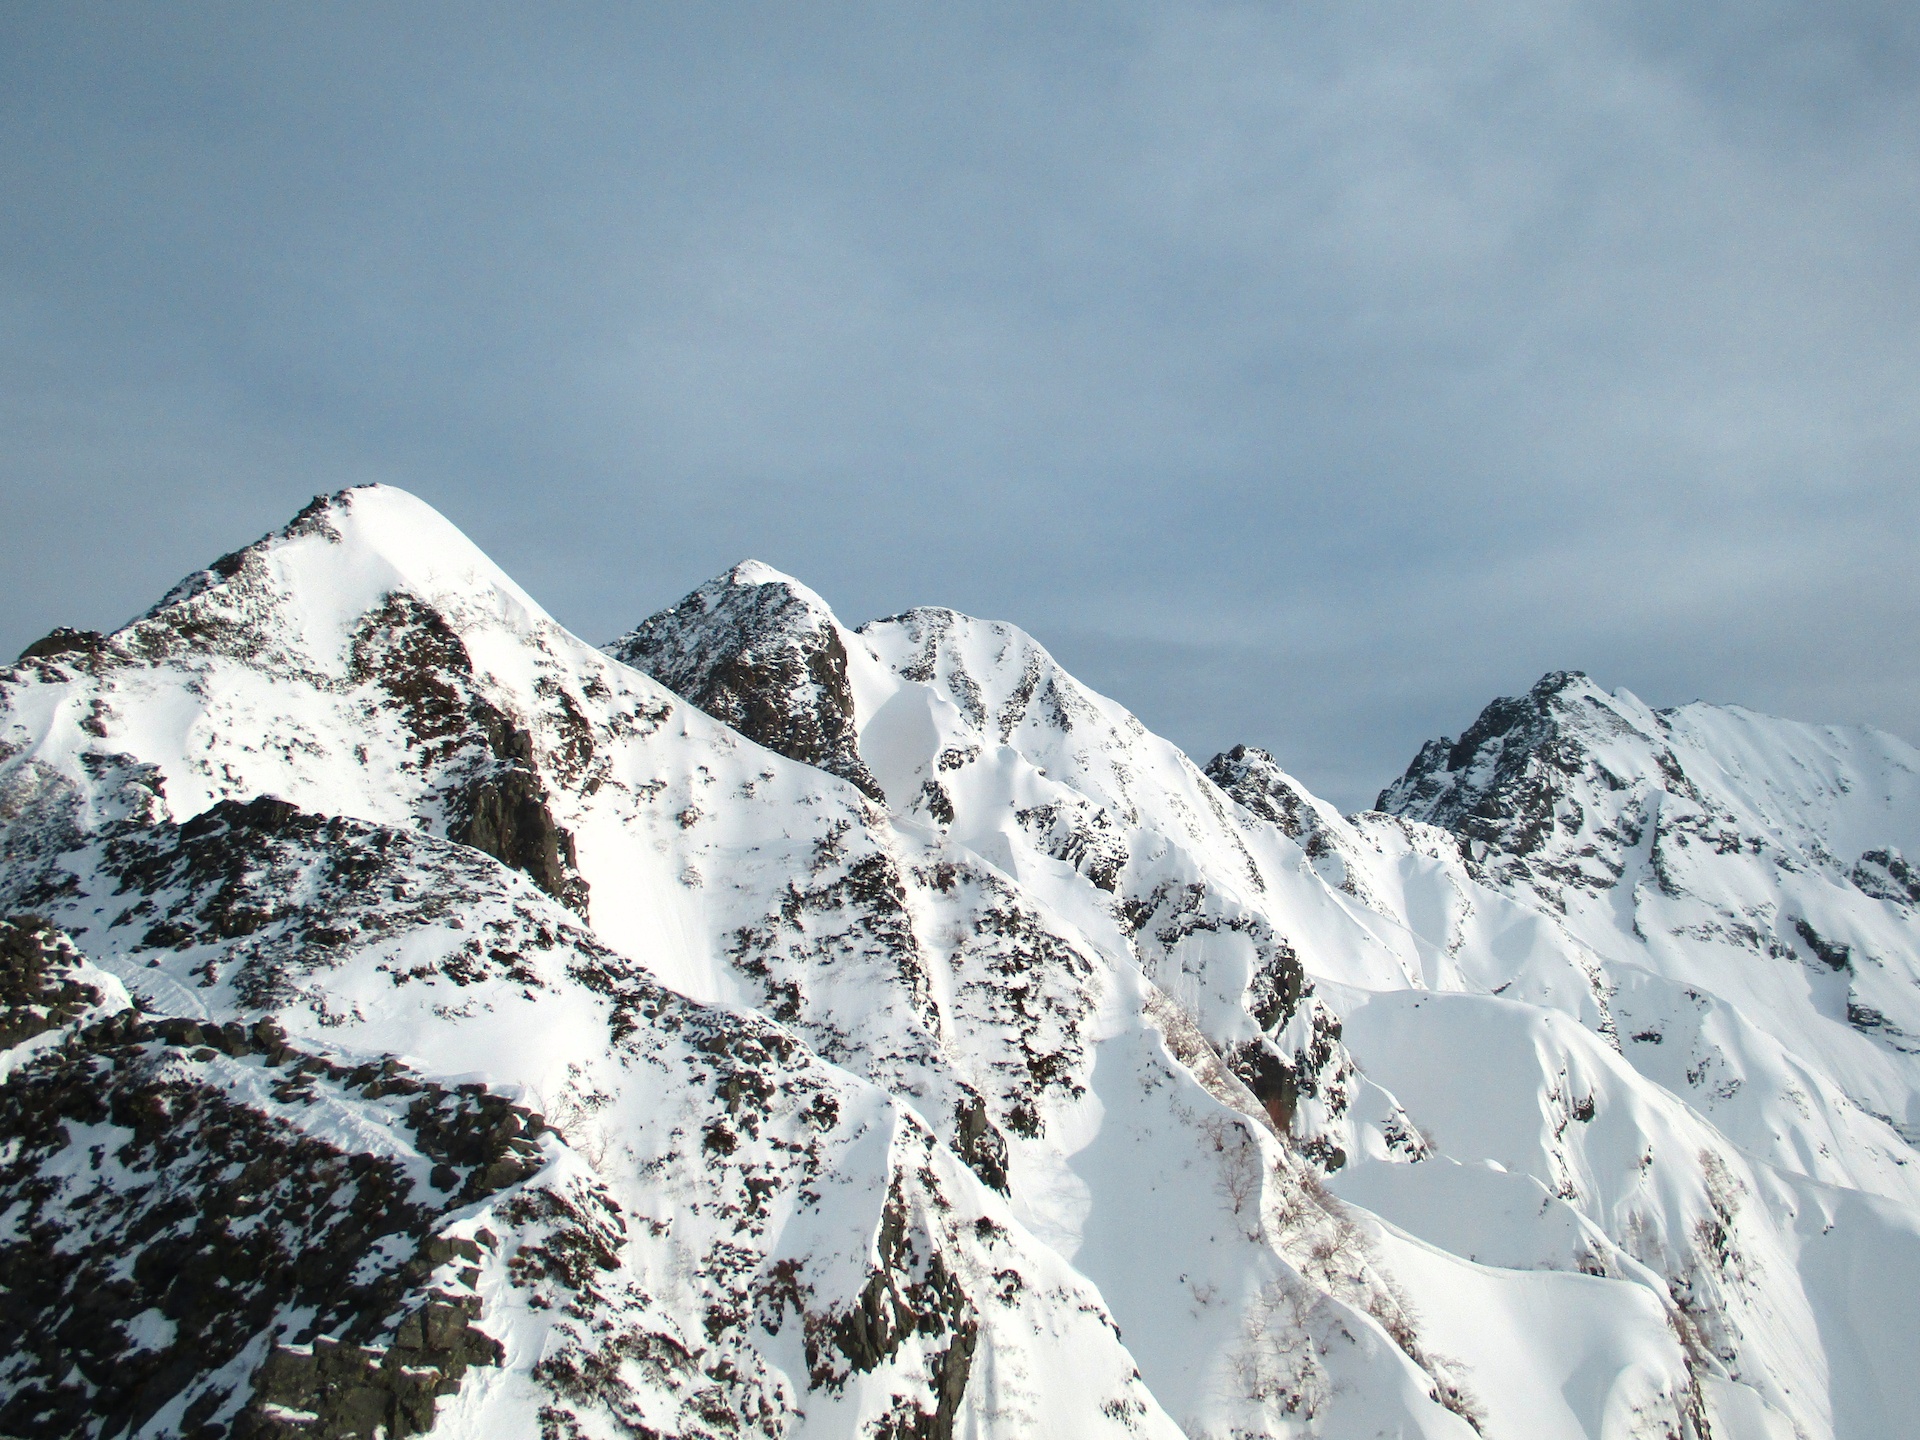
(429, 1021)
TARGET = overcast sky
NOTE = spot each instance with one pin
(1301, 374)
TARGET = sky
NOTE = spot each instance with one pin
(1303, 375)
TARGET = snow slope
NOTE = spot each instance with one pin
(1283, 928)
(899, 1039)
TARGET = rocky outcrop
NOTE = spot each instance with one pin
(165, 1224)
(1496, 783)
(910, 1292)
(1255, 781)
(334, 1391)
(505, 814)
(299, 890)
(760, 652)
(64, 641)
(496, 799)
(37, 990)
(1887, 875)
(977, 1141)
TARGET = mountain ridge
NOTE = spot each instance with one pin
(905, 1024)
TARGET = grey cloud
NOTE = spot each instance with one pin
(1302, 375)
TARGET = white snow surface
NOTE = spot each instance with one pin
(1312, 1125)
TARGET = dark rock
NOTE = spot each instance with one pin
(907, 1293)
(758, 654)
(1835, 955)
(407, 648)
(939, 805)
(979, 1143)
(301, 887)
(64, 641)
(1271, 1079)
(1255, 780)
(505, 814)
(354, 1392)
(1500, 789)
(1886, 875)
(37, 991)
(1497, 782)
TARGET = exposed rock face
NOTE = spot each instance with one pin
(299, 889)
(1498, 782)
(1513, 787)
(63, 641)
(334, 1391)
(506, 815)
(1887, 875)
(979, 1143)
(759, 651)
(1254, 779)
(496, 800)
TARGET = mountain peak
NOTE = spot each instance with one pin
(759, 650)
(355, 547)
(1502, 782)
(758, 572)
(296, 595)
(1558, 682)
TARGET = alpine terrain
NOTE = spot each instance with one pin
(419, 1020)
